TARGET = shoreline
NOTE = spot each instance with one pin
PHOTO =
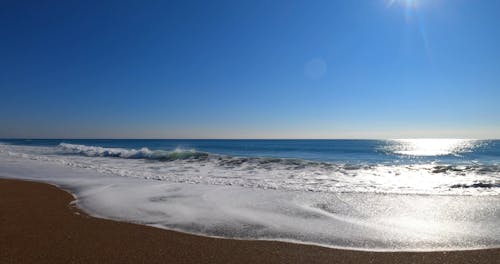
(39, 223)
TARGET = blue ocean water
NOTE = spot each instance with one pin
(404, 194)
(405, 166)
(346, 151)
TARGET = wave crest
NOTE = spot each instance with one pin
(191, 166)
(143, 153)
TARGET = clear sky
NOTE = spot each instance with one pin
(250, 69)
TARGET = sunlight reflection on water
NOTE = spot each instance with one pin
(432, 146)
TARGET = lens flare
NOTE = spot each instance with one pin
(405, 3)
(413, 17)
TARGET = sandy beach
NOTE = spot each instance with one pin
(38, 224)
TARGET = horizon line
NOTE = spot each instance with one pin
(118, 138)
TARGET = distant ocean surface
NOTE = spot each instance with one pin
(425, 166)
(404, 194)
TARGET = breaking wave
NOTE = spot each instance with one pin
(188, 155)
(197, 167)
(346, 205)
(143, 153)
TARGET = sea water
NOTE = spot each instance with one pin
(406, 194)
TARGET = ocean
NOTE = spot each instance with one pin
(401, 194)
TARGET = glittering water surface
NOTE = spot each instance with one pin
(406, 166)
(407, 194)
(433, 147)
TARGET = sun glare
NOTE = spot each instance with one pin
(432, 147)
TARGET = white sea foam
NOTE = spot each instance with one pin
(143, 153)
(190, 166)
(121, 188)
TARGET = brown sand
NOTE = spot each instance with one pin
(37, 225)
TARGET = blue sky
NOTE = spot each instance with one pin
(250, 69)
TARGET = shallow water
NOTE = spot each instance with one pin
(374, 195)
(419, 166)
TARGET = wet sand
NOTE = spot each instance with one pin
(38, 224)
